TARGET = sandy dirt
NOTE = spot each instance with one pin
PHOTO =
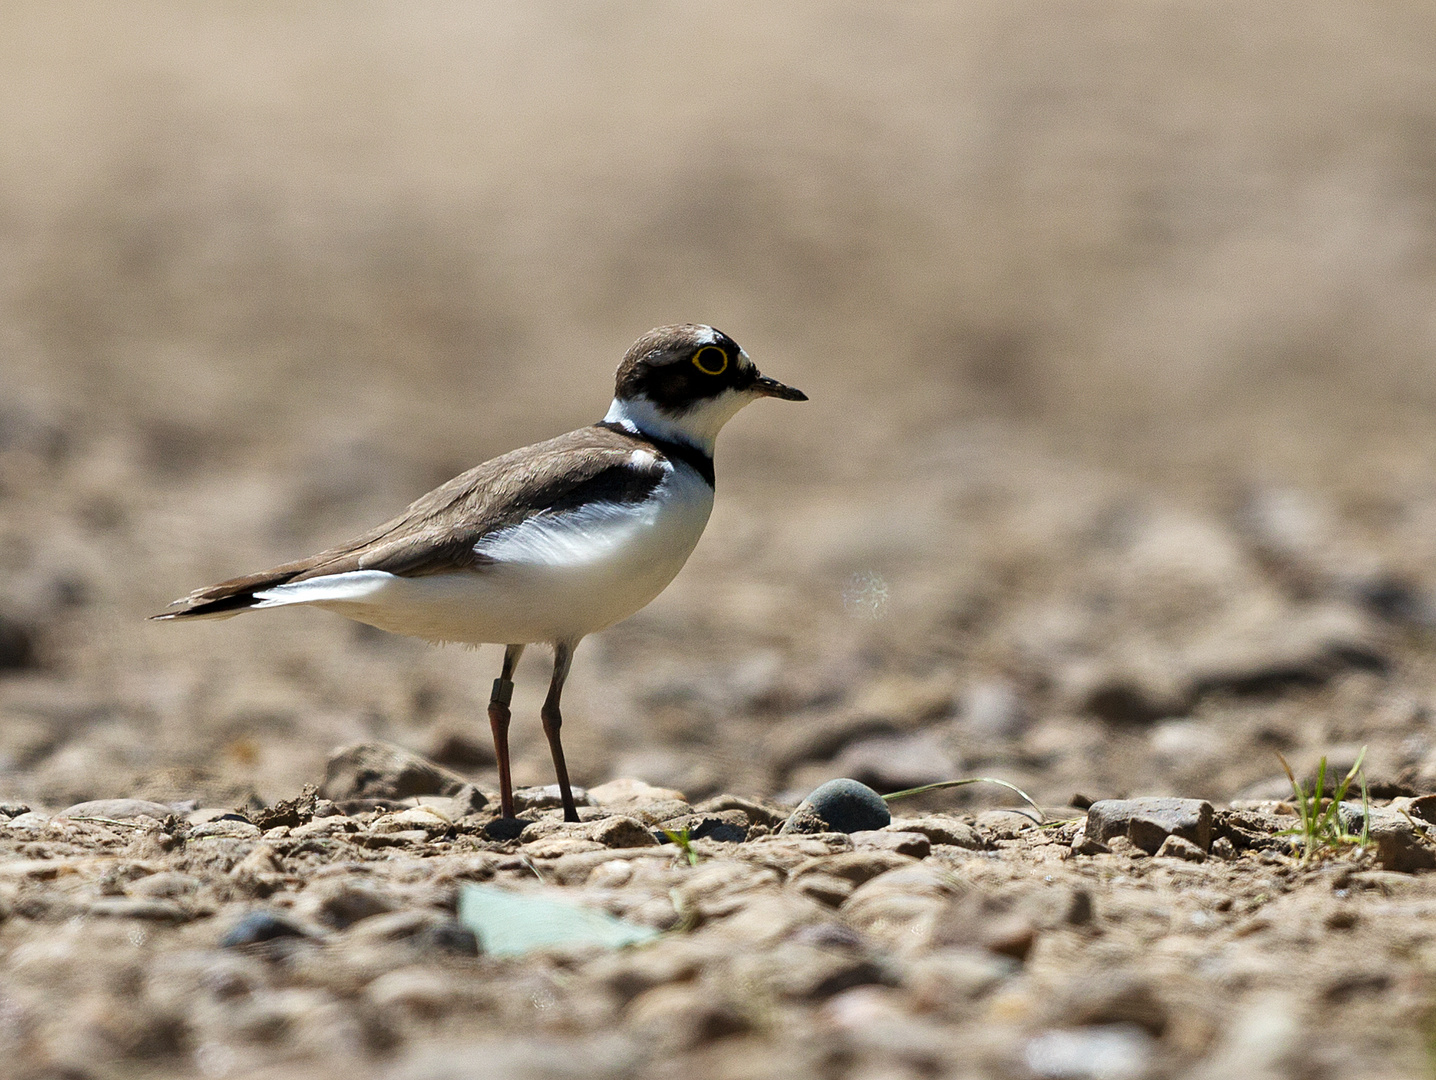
(1116, 480)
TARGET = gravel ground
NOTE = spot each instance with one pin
(942, 944)
(1115, 483)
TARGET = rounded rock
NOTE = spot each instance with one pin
(846, 806)
(259, 926)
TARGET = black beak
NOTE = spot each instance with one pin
(773, 388)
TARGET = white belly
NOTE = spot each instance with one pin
(554, 578)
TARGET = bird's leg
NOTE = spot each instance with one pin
(499, 724)
(553, 720)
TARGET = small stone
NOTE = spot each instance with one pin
(1176, 847)
(845, 806)
(1082, 844)
(30, 821)
(1114, 998)
(333, 825)
(340, 904)
(947, 979)
(1148, 822)
(724, 826)
(758, 813)
(1115, 1052)
(138, 908)
(626, 792)
(1004, 824)
(941, 830)
(807, 973)
(234, 827)
(415, 817)
(12, 809)
(259, 926)
(467, 800)
(290, 812)
(212, 813)
(681, 1017)
(622, 832)
(548, 797)
(854, 866)
(379, 770)
(826, 889)
(1222, 849)
(914, 844)
(417, 991)
(117, 810)
(166, 885)
(449, 936)
(263, 859)
(1399, 846)
(502, 829)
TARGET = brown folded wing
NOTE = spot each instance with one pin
(437, 533)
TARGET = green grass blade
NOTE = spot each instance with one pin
(894, 796)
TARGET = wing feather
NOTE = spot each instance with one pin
(437, 533)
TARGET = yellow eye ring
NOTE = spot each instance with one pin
(719, 365)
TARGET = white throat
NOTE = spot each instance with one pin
(698, 427)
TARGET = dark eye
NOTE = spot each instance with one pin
(711, 360)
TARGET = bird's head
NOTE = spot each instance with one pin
(683, 383)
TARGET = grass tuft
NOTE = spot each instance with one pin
(684, 842)
(1321, 831)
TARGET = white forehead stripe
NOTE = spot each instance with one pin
(706, 336)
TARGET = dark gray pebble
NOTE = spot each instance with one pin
(844, 805)
(506, 828)
(450, 936)
(259, 926)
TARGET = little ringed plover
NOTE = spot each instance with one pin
(543, 545)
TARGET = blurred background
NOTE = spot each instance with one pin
(1116, 320)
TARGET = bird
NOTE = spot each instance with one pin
(543, 545)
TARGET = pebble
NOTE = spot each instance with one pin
(826, 889)
(757, 813)
(339, 903)
(425, 818)
(167, 884)
(914, 844)
(622, 832)
(235, 828)
(213, 813)
(1111, 1052)
(1147, 822)
(854, 866)
(1177, 847)
(627, 791)
(380, 770)
(548, 797)
(137, 908)
(257, 927)
(1398, 845)
(12, 809)
(1004, 824)
(117, 810)
(842, 805)
(807, 973)
(942, 830)
(722, 826)
(681, 1017)
(30, 821)
(326, 826)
